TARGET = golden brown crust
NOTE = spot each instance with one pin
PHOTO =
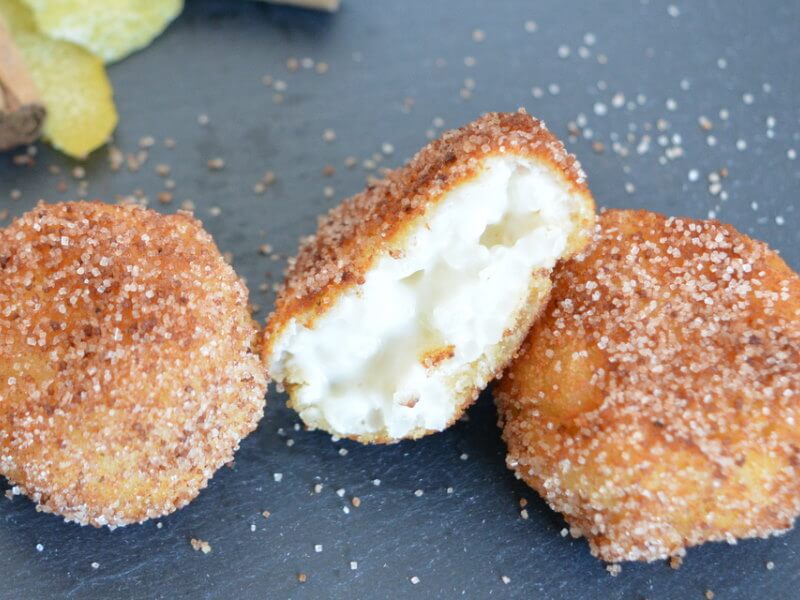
(656, 403)
(376, 222)
(127, 371)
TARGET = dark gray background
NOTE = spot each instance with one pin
(211, 61)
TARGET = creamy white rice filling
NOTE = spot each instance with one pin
(381, 361)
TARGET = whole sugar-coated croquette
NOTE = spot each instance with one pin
(413, 294)
(127, 367)
(656, 403)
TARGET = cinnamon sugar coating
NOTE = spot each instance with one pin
(656, 403)
(127, 366)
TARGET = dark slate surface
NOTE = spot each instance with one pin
(211, 62)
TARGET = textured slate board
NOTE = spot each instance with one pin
(459, 545)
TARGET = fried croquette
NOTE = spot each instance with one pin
(129, 368)
(656, 402)
(413, 294)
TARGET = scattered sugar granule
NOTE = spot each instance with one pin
(201, 545)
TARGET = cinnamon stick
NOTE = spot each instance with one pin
(21, 110)
(328, 5)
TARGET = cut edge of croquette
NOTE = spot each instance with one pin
(480, 369)
(379, 222)
(683, 423)
(135, 369)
